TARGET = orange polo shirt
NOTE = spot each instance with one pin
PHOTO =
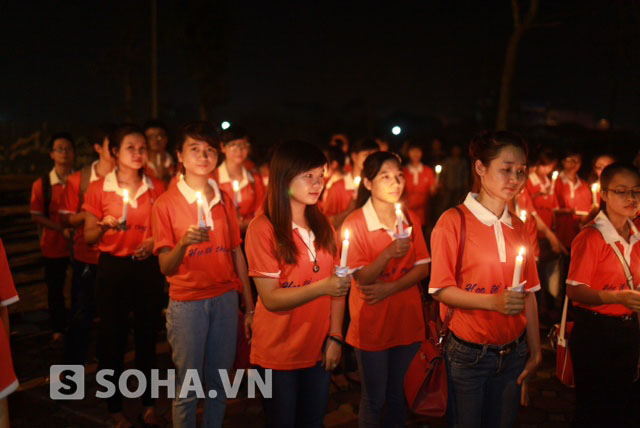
(207, 269)
(8, 295)
(595, 264)
(251, 194)
(293, 339)
(575, 196)
(82, 251)
(488, 263)
(104, 197)
(417, 189)
(544, 202)
(398, 319)
(341, 193)
(53, 243)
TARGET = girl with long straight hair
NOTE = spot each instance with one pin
(205, 267)
(604, 340)
(118, 219)
(387, 323)
(291, 250)
(494, 340)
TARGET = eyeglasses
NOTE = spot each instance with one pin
(238, 146)
(634, 193)
(61, 150)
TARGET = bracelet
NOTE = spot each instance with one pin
(338, 341)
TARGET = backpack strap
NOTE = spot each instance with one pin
(46, 194)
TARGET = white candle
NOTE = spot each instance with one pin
(125, 205)
(438, 171)
(345, 249)
(595, 188)
(399, 217)
(356, 181)
(523, 215)
(554, 177)
(236, 192)
(515, 284)
(201, 222)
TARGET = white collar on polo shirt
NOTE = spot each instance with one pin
(415, 171)
(111, 185)
(190, 195)
(611, 235)
(374, 223)
(308, 238)
(349, 184)
(223, 176)
(94, 174)
(572, 186)
(488, 218)
(53, 177)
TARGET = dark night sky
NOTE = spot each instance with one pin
(300, 59)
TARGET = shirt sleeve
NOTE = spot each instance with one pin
(8, 293)
(37, 198)
(161, 227)
(93, 199)
(584, 260)
(70, 197)
(260, 249)
(420, 246)
(444, 238)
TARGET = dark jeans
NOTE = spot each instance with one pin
(123, 286)
(83, 310)
(483, 388)
(604, 351)
(382, 379)
(299, 398)
(55, 273)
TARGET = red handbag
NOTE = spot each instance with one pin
(425, 384)
(560, 334)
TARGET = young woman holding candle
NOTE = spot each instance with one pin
(198, 247)
(389, 257)
(604, 340)
(245, 188)
(128, 278)
(493, 328)
(292, 253)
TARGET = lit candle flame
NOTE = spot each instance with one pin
(125, 196)
(346, 234)
(554, 175)
(438, 169)
(236, 185)
(521, 252)
(199, 197)
(523, 215)
(595, 187)
(357, 180)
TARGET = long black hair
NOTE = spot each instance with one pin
(290, 159)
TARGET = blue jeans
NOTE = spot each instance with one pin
(299, 398)
(202, 334)
(483, 389)
(382, 378)
(83, 310)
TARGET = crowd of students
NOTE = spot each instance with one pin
(138, 218)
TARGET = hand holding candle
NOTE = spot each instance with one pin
(356, 182)
(236, 192)
(517, 271)
(125, 206)
(201, 221)
(554, 177)
(595, 188)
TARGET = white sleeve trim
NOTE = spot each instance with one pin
(422, 261)
(9, 389)
(571, 282)
(351, 271)
(10, 300)
(67, 212)
(275, 275)
(435, 290)
(533, 289)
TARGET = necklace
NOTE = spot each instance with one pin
(316, 268)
